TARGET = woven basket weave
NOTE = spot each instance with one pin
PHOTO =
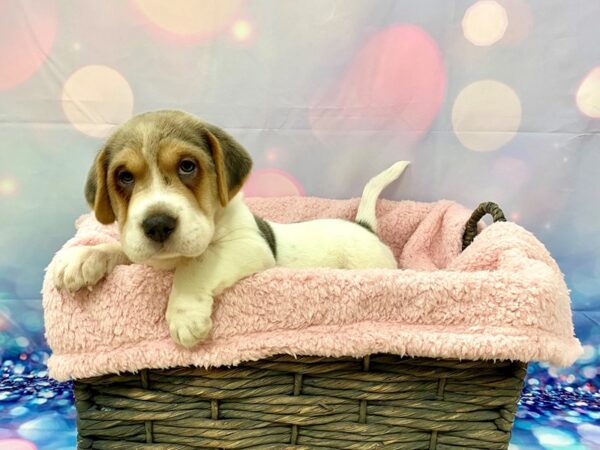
(377, 402)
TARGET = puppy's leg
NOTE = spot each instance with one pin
(197, 281)
(80, 267)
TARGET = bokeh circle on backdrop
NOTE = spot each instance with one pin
(272, 183)
(26, 39)
(485, 23)
(16, 444)
(486, 115)
(189, 19)
(242, 31)
(95, 99)
(588, 94)
(396, 82)
(8, 186)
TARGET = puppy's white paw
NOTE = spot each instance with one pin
(189, 324)
(80, 267)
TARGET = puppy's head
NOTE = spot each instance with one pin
(163, 176)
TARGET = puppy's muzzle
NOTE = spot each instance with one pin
(159, 227)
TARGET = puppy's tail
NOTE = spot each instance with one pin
(366, 209)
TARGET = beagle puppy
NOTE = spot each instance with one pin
(172, 183)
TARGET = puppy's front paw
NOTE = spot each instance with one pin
(80, 267)
(189, 324)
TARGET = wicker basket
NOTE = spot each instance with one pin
(377, 402)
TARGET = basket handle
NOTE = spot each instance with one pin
(483, 209)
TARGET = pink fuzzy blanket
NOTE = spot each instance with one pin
(504, 297)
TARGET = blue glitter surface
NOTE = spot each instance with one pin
(558, 412)
(559, 408)
(33, 407)
(555, 412)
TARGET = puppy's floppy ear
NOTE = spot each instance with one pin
(96, 189)
(232, 163)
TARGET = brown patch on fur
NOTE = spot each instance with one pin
(217, 156)
(102, 204)
(163, 138)
(206, 196)
(131, 159)
(235, 160)
(201, 185)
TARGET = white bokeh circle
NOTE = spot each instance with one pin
(486, 115)
(242, 30)
(588, 94)
(485, 23)
(8, 186)
(95, 99)
(189, 18)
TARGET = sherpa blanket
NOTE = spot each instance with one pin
(502, 298)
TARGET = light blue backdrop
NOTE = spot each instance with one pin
(489, 100)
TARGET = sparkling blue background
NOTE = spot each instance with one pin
(260, 70)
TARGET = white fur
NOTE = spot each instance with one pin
(210, 256)
(237, 250)
(338, 243)
(372, 190)
(190, 238)
(80, 267)
(331, 243)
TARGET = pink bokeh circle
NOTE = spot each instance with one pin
(16, 444)
(272, 183)
(396, 82)
(25, 39)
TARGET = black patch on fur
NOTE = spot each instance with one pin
(365, 225)
(267, 233)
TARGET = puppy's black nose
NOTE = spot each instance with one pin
(159, 227)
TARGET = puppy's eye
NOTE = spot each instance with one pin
(125, 178)
(187, 167)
